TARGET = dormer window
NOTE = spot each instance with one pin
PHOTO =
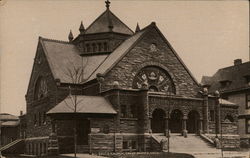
(225, 83)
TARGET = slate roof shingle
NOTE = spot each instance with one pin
(8, 117)
(63, 57)
(117, 54)
(234, 74)
(101, 24)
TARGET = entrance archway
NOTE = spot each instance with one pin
(193, 122)
(175, 122)
(158, 121)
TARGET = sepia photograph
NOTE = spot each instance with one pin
(124, 79)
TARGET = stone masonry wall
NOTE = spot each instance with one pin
(44, 104)
(141, 56)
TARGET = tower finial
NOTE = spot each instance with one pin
(81, 28)
(107, 4)
(70, 37)
(137, 28)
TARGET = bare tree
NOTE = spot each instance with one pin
(75, 73)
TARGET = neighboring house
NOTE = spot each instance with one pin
(233, 82)
(9, 128)
(117, 87)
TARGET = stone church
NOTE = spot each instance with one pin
(113, 89)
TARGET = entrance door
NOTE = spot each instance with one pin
(158, 121)
(192, 122)
(82, 130)
(175, 123)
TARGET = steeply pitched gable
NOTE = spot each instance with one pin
(64, 56)
(103, 22)
(126, 46)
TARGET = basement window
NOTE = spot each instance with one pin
(248, 126)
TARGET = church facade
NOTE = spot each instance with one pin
(110, 89)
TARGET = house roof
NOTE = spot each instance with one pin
(85, 105)
(9, 123)
(63, 57)
(234, 74)
(8, 117)
(103, 22)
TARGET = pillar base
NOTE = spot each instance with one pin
(184, 133)
(200, 132)
(167, 133)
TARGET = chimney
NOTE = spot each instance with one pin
(237, 61)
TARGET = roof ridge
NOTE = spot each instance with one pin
(248, 62)
(122, 22)
(144, 29)
(54, 40)
(108, 12)
(94, 21)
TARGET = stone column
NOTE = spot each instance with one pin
(184, 126)
(53, 149)
(205, 111)
(217, 116)
(200, 127)
(150, 124)
(167, 132)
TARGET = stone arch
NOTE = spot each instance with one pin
(154, 75)
(151, 63)
(175, 121)
(193, 118)
(158, 120)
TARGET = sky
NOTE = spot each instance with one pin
(207, 35)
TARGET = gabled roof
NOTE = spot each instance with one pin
(8, 117)
(64, 56)
(125, 47)
(206, 80)
(102, 23)
(9, 123)
(234, 74)
(85, 105)
(117, 54)
(8, 120)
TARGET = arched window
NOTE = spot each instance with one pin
(87, 48)
(155, 78)
(94, 47)
(105, 46)
(41, 88)
(99, 47)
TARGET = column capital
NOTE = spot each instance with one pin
(185, 117)
(166, 118)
